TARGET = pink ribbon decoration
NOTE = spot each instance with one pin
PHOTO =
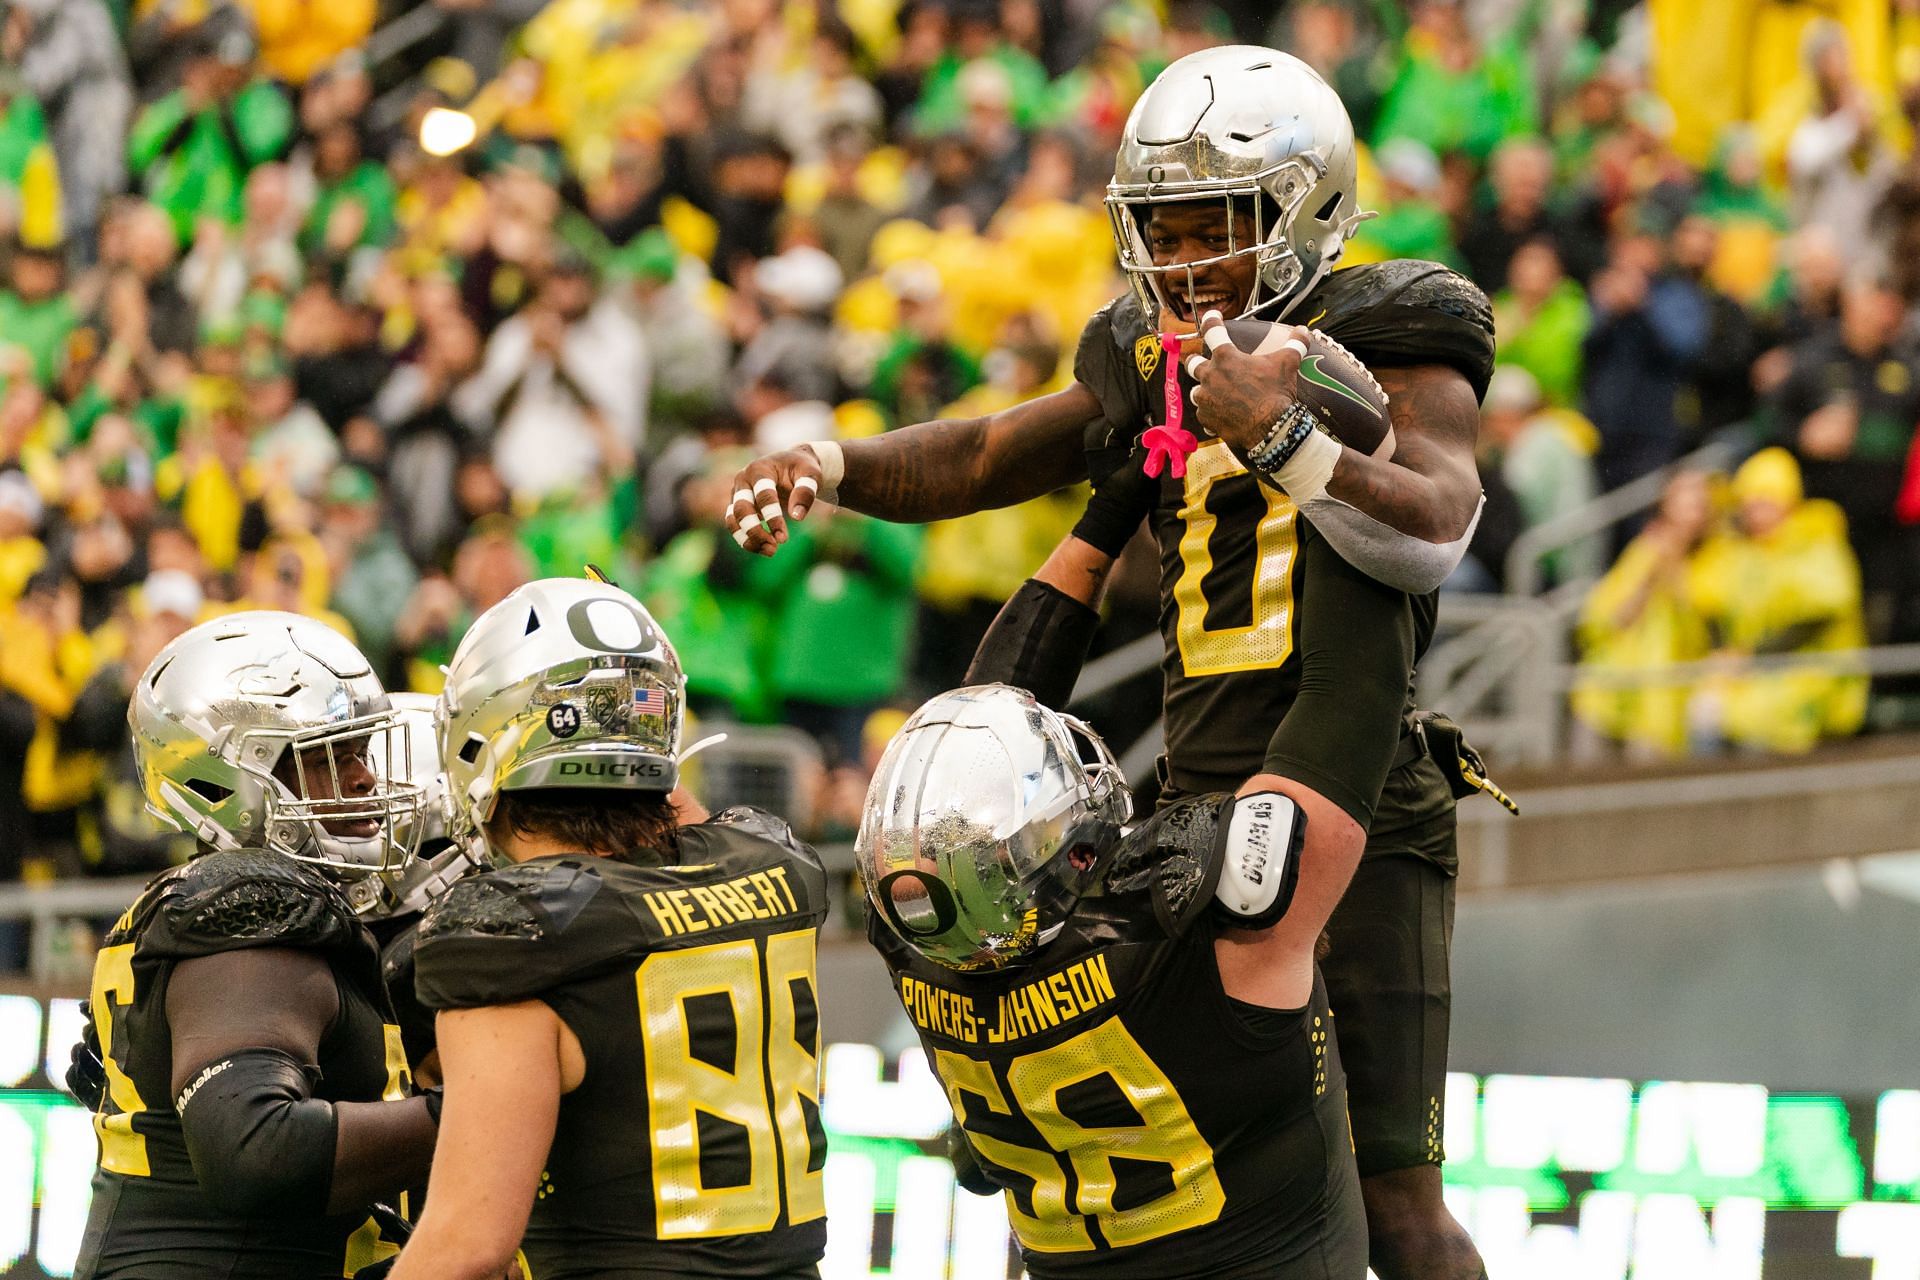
(1169, 445)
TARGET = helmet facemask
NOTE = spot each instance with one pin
(307, 779)
(1274, 200)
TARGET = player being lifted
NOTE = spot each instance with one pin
(256, 1099)
(1233, 191)
(1130, 1029)
(627, 1020)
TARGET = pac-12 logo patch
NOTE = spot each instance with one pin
(563, 720)
(1146, 355)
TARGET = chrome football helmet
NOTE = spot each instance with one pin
(1258, 129)
(565, 683)
(983, 828)
(262, 729)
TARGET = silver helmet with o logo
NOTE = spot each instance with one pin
(565, 683)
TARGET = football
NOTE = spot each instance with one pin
(1333, 383)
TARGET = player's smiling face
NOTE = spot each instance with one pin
(1194, 231)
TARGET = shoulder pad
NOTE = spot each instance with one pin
(1172, 857)
(511, 933)
(1118, 359)
(519, 902)
(244, 898)
(746, 832)
(1259, 859)
(756, 822)
(1406, 312)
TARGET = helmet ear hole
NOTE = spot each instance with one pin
(211, 792)
(533, 622)
(1325, 211)
(471, 748)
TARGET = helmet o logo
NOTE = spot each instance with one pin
(941, 910)
(1157, 174)
(608, 625)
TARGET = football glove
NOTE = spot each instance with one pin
(86, 1067)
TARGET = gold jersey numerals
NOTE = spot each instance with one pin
(1165, 1135)
(1267, 641)
(121, 1149)
(764, 1102)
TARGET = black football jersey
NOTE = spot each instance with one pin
(1142, 1123)
(693, 1145)
(149, 1219)
(1234, 551)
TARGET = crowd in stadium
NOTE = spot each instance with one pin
(286, 327)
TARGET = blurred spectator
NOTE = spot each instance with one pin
(1451, 93)
(36, 315)
(800, 98)
(846, 628)
(668, 296)
(1640, 618)
(750, 180)
(117, 835)
(1717, 391)
(159, 314)
(353, 207)
(846, 219)
(373, 577)
(1545, 456)
(973, 565)
(799, 288)
(1646, 329)
(1838, 161)
(978, 51)
(566, 382)
(70, 59)
(719, 608)
(1521, 175)
(480, 28)
(1749, 215)
(299, 37)
(780, 413)
(1782, 581)
(1848, 409)
(1411, 224)
(1542, 320)
(192, 149)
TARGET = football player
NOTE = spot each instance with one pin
(256, 1098)
(627, 1022)
(1233, 192)
(1130, 1028)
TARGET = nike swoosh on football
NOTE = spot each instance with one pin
(1310, 370)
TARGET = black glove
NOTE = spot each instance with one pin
(86, 1068)
(966, 1165)
(1120, 502)
(394, 1229)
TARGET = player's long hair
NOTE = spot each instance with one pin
(636, 826)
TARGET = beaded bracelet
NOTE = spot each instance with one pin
(1290, 430)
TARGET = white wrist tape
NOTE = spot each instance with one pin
(833, 467)
(1304, 476)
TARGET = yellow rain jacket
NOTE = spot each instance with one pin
(1796, 590)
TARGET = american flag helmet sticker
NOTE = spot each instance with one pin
(650, 701)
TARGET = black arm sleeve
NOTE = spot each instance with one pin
(1038, 642)
(1356, 661)
(260, 1142)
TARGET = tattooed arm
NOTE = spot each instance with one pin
(933, 471)
(1430, 488)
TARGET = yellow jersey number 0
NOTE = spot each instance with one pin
(1166, 1135)
(1267, 641)
(764, 1102)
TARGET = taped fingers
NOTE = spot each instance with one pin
(806, 489)
(767, 494)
